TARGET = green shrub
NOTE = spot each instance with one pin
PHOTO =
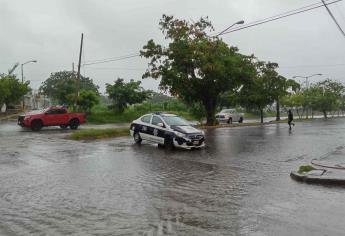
(305, 168)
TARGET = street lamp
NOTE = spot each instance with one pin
(307, 86)
(306, 78)
(237, 23)
(33, 61)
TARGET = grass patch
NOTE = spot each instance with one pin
(305, 168)
(90, 134)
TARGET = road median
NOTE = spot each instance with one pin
(94, 134)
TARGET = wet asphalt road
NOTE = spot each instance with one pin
(238, 185)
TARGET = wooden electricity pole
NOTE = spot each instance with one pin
(78, 74)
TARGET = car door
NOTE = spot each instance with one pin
(49, 117)
(156, 130)
(144, 127)
(61, 117)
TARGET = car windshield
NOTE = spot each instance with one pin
(174, 120)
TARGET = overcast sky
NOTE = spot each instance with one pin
(49, 31)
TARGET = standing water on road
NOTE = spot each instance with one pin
(238, 185)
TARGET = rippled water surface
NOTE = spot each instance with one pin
(238, 185)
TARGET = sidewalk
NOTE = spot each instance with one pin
(329, 169)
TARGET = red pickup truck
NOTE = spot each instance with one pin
(51, 116)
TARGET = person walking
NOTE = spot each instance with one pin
(290, 119)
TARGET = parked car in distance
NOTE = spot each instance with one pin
(168, 130)
(51, 116)
(229, 116)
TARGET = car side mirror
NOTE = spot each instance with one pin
(161, 125)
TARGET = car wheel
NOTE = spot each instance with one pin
(36, 125)
(63, 126)
(240, 120)
(169, 144)
(137, 138)
(74, 124)
(230, 120)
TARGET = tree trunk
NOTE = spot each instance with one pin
(324, 114)
(262, 115)
(278, 110)
(210, 107)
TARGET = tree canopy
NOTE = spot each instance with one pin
(123, 94)
(12, 90)
(87, 99)
(194, 66)
(326, 95)
(61, 86)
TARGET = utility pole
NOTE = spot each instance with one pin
(78, 74)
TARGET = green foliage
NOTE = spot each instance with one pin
(12, 90)
(195, 67)
(61, 86)
(160, 98)
(325, 96)
(88, 99)
(305, 168)
(257, 93)
(102, 114)
(99, 133)
(123, 94)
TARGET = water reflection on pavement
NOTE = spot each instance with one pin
(238, 185)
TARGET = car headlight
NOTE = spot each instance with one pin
(179, 134)
(27, 117)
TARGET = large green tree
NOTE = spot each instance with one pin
(279, 85)
(258, 92)
(325, 95)
(123, 94)
(194, 66)
(12, 90)
(61, 86)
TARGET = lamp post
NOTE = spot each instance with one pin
(237, 23)
(307, 87)
(306, 78)
(22, 65)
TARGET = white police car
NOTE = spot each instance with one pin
(166, 129)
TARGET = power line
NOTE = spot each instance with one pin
(332, 16)
(280, 16)
(115, 68)
(112, 59)
(296, 66)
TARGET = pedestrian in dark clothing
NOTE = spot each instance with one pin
(290, 119)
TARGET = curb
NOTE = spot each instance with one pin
(312, 179)
(9, 117)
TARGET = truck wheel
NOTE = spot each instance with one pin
(74, 124)
(240, 120)
(36, 125)
(230, 120)
(137, 138)
(169, 144)
(63, 126)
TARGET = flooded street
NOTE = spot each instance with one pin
(238, 185)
